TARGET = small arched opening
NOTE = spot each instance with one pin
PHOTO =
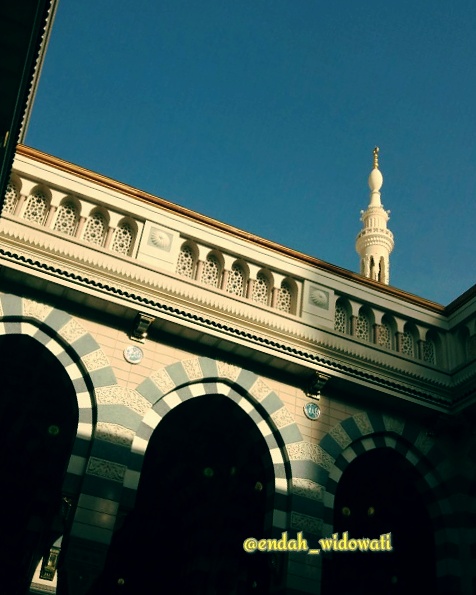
(373, 272)
(382, 273)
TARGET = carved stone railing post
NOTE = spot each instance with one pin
(353, 324)
(399, 338)
(19, 206)
(79, 228)
(376, 330)
(109, 236)
(224, 279)
(249, 293)
(420, 349)
(200, 265)
(51, 214)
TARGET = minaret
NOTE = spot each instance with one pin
(375, 242)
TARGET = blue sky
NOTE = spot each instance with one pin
(264, 114)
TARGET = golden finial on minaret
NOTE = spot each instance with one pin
(376, 150)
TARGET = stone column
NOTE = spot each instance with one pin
(376, 334)
(419, 349)
(79, 229)
(200, 265)
(19, 206)
(50, 216)
(249, 293)
(109, 236)
(399, 338)
(224, 280)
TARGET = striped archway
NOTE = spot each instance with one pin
(179, 382)
(367, 431)
(76, 351)
(89, 372)
(297, 493)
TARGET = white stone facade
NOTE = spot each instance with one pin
(89, 265)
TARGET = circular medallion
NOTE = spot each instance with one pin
(133, 354)
(318, 297)
(159, 238)
(312, 411)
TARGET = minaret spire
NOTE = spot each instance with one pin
(375, 242)
(376, 150)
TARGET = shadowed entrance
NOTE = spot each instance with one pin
(377, 495)
(39, 419)
(204, 488)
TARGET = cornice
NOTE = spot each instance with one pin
(184, 301)
(149, 199)
(464, 298)
(330, 363)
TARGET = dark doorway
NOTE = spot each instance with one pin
(377, 495)
(39, 419)
(204, 487)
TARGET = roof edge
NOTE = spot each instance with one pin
(143, 196)
(462, 299)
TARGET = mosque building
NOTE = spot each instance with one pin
(177, 392)
(173, 386)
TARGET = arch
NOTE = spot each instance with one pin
(187, 260)
(378, 495)
(88, 474)
(262, 288)
(237, 280)
(287, 296)
(39, 416)
(366, 431)
(409, 340)
(364, 324)
(12, 194)
(67, 216)
(297, 471)
(124, 237)
(261, 404)
(386, 332)
(203, 478)
(212, 270)
(342, 316)
(373, 269)
(37, 205)
(69, 342)
(16, 181)
(183, 380)
(96, 226)
(431, 348)
(102, 210)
